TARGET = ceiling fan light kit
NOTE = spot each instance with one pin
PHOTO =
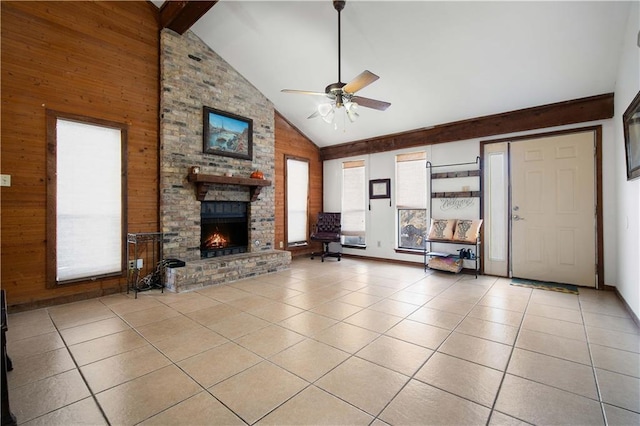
(343, 94)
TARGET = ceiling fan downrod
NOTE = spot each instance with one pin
(336, 88)
(339, 5)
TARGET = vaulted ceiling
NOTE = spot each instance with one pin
(438, 62)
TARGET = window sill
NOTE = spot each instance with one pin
(296, 246)
(410, 251)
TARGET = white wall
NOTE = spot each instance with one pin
(621, 199)
(628, 192)
(381, 221)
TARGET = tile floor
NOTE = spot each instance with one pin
(350, 342)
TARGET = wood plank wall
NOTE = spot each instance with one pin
(98, 59)
(290, 142)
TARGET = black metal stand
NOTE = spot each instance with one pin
(146, 268)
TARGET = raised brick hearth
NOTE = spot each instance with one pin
(205, 272)
(193, 76)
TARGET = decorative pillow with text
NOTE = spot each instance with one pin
(467, 230)
(441, 229)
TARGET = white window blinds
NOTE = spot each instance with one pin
(89, 219)
(411, 180)
(297, 200)
(353, 198)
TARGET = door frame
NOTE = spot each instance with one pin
(597, 130)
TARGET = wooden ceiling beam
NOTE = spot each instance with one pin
(180, 15)
(582, 110)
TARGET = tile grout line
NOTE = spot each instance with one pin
(412, 377)
(506, 367)
(593, 367)
(172, 363)
(313, 383)
(84, 379)
(309, 384)
(351, 355)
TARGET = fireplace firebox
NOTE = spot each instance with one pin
(224, 228)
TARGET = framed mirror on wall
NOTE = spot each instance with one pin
(631, 123)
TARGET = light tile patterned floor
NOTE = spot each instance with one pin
(351, 342)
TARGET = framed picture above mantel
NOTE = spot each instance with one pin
(227, 134)
(631, 122)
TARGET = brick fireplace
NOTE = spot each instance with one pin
(193, 76)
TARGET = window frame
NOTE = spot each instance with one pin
(400, 234)
(346, 165)
(401, 158)
(295, 244)
(51, 266)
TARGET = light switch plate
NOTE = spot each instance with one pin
(5, 180)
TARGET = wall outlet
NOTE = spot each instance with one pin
(5, 180)
(135, 264)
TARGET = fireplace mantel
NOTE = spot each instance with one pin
(203, 182)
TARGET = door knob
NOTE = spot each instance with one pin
(516, 218)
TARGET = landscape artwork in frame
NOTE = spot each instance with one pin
(227, 134)
(631, 121)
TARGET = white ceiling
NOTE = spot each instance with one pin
(438, 62)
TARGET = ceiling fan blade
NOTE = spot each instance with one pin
(304, 92)
(314, 115)
(364, 79)
(370, 103)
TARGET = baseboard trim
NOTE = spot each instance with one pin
(634, 317)
(61, 300)
(384, 260)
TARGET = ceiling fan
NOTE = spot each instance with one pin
(343, 94)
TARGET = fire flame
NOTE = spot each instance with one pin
(215, 241)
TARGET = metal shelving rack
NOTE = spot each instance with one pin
(467, 194)
(145, 266)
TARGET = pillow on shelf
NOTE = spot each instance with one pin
(441, 229)
(467, 230)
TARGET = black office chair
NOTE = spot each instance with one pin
(327, 231)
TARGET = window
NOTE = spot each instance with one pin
(85, 198)
(353, 203)
(297, 200)
(411, 199)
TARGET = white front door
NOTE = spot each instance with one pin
(553, 213)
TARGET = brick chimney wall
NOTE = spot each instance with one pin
(193, 76)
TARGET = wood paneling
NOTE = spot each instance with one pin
(570, 112)
(97, 59)
(291, 142)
